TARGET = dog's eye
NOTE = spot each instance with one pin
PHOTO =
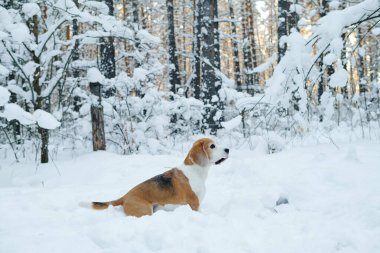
(212, 146)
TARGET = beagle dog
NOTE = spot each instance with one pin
(178, 186)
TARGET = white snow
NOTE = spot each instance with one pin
(333, 23)
(3, 71)
(334, 5)
(20, 32)
(94, 76)
(140, 74)
(14, 111)
(265, 65)
(101, 7)
(42, 118)
(333, 194)
(147, 38)
(45, 120)
(329, 59)
(233, 123)
(4, 96)
(339, 78)
(376, 31)
(31, 9)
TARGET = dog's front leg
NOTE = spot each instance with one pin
(193, 201)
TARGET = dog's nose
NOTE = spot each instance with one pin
(227, 150)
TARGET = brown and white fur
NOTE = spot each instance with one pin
(178, 186)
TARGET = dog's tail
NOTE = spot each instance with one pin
(101, 205)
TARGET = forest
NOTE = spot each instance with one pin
(273, 106)
(136, 76)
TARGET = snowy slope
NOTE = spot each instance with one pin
(334, 204)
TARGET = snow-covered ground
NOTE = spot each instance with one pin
(333, 193)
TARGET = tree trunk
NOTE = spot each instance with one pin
(97, 119)
(174, 78)
(40, 102)
(107, 54)
(322, 13)
(235, 48)
(75, 57)
(44, 144)
(247, 52)
(211, 87)
(361, 66)
(253, 87)
(286, 21)
(196, 62)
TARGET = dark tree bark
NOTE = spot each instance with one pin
(322, 12)
(196, 61)
(361, 65)
(107, 54)
(75, 57)
(97, 119)
(252, 87)
(286, 21)
(174, 77)
(235, 48)
(247, 53)
(40, 101)
(15, 124)
(211, 85)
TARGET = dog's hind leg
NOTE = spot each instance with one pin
(137, 208)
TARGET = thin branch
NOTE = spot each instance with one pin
(22, 71)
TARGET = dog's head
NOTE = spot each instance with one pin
(206, 152)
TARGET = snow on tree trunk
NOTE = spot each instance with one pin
(287, 19)
(235, 48)
(211, 84)
(107, 53)
(174, 78)
(196, 61)
(40, 101)
(247, 52)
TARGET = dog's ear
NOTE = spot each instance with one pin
(198, 154)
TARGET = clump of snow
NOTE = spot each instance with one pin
(5, 19)
(265, 65)
(20, 32)
(3, 71)
(29, 68)
(99, 6)
(334, 5)
(275, 143)
(233, 123)
(329, 59)
(339, 78)
(247, 103)
(296, 8)
(146, 37)
(31, 9)
(42, 118)
(334, 22)
(376, 31)
(94, 76)
(4, 96)
(45, 120)
(140, 74)
(14, 111)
